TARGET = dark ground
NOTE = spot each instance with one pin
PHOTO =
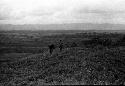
(89, 57)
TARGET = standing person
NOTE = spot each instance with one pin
(60, 45)
(51, 48)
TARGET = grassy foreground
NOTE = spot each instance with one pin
(80, 66)
(88, 58)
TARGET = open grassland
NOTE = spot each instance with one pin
(87, 58)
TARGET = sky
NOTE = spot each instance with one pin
(62, 11)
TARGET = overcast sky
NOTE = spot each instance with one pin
(62, 11)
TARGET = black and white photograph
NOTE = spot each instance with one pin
(62, 42)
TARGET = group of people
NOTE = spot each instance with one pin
(52, 47)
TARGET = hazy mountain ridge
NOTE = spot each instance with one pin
(72, 26)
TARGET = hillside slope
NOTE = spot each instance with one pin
(71, 66)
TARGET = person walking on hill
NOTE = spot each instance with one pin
(51, 48)
(60, 45)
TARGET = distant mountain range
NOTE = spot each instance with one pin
(72, 26)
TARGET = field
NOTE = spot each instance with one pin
(87, 58)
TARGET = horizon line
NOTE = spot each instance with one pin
(66, 24)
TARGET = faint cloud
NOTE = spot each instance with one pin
(61, 11)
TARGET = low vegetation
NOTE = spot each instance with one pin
(86, 59)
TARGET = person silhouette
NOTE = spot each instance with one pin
(51, 48)
(60, 45)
